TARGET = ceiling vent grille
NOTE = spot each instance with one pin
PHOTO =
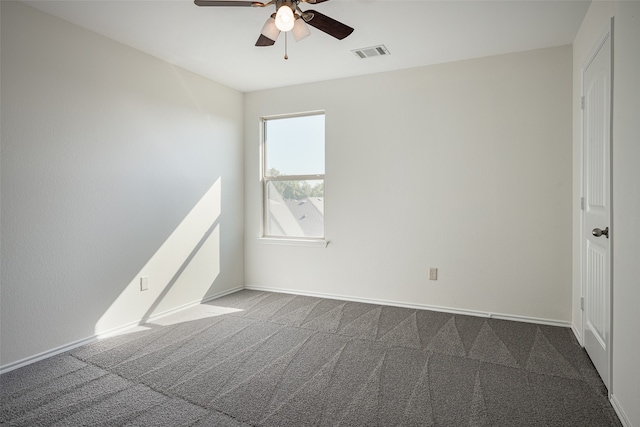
(369, 52)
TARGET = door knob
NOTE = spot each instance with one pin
(597, 232)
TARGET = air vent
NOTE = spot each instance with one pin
(369, 52)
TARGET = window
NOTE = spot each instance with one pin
(293, 176)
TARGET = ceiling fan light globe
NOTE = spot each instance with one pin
(284, 18)
(270, 30)
(300, 30)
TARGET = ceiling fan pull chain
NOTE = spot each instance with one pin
(286, 56)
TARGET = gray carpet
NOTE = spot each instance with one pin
(285, 360)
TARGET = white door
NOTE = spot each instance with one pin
(596, 232)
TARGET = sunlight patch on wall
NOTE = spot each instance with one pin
(180, 272)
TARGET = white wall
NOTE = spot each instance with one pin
(464, 166)
(626, 211)
(114, 165)
(625, 383)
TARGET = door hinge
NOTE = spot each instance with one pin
(581, 203)
(582, 103)
(582, 303)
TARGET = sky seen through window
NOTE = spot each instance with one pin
(295, 145)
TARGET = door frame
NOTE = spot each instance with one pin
(606, 37)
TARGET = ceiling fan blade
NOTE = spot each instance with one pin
(328, 25)
(264, 41)
(314, 1)
(239, 3)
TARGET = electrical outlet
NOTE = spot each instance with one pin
(433, 273)
(144, 283)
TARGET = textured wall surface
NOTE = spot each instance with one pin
(626, 209)
(115, 165)
(463, 166)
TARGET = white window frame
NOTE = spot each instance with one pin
(293, 240)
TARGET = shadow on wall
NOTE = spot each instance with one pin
(179, 273)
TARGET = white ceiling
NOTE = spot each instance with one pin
(218, 42)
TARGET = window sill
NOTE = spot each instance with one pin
(293, 242)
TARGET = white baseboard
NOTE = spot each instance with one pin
(123, 328)
(623, 417)
(476, 313)
(577, 333)
(46, 354)
(109, 333)
(192, 304)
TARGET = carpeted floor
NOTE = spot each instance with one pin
(266, 359)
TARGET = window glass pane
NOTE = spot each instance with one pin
(295, 146)
(295, 208)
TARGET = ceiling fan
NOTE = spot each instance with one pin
(288, 17)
